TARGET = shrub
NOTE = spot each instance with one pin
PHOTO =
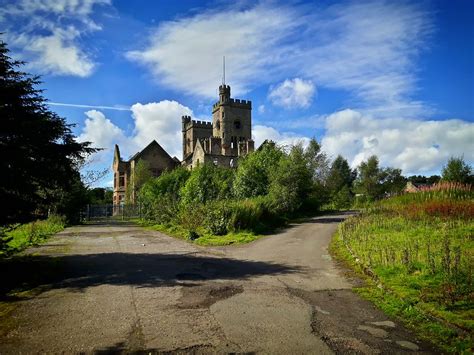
(191, 218)
(253, 174)
(207, 183)
(160, 197)
(217, 216)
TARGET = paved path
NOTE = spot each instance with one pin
(111, 288)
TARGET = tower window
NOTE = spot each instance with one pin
(218, 124)
(237, 124)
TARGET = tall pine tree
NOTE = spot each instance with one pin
(39, 153)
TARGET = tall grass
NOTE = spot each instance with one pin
(421, 246)
(21, 236)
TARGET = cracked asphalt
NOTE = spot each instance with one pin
(121, 288)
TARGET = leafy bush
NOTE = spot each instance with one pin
(207, 183)
(191, 219)
(160, 197)
(217, 216)
(248, 214)
(253, 175)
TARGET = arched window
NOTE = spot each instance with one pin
(237, 124)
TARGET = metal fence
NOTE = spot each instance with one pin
(110, 211)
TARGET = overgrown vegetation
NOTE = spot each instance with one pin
(215, 205)
(420, 247)
(20, 236)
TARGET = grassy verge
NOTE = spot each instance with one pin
(418, 252)
(21, 236)
(205, 238)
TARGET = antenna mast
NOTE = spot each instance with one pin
(223, 70)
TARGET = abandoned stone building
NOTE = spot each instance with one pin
(223, 141)
(157, 159)
(220, 142)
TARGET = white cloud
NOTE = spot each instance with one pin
(100, 131)
(415, 146)
(368, 49)
(292, 93)
(47, 34)
(160, 121)
(260, 133)
(187, 53)
(261, 109)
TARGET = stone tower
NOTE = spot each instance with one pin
(225, 139)
(231, 121)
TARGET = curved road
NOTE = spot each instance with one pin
(124, 288)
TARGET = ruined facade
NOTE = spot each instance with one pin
(223, 141)
(158, 160)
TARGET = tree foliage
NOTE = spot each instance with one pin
(457, 170)
(206, 183)
(253, 174)
(291, 180)
(339, 183)
(160, 197)
(374, 182)
(39, 152)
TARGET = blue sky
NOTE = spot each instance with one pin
(390, 78)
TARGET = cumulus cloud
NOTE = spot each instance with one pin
(368, 49)
(415, 146)
(160, 121)
(261, 133)
(100, 131)
(47, 34)
(292, 93)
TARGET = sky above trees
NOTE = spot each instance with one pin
(394, 79)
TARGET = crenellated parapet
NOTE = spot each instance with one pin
(189, 123)
(244, 104)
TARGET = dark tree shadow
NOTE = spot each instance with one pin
(78, 272)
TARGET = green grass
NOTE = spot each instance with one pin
(421, 249)
(21, 236)
(205, 238)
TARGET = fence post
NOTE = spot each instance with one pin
(123, 206)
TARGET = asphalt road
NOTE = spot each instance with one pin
(110, 288)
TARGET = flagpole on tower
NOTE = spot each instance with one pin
(223, 70)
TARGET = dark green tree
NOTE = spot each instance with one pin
(457, 170)
(340, 175)
(339, 183)
(39, 153)
(392, 181)
(374, 182)
(368, 182)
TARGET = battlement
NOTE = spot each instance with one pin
(247, 104)
(198, 124)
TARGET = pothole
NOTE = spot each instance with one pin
(205, 296)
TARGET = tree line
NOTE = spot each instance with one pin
(269, 186)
